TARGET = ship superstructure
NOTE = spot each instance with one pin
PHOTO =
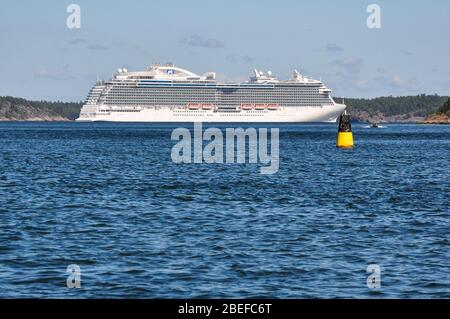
(166, 93)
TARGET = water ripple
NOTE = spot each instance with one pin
(108, 198)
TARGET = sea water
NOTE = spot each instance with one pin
(108, 198)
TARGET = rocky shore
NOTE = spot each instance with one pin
(436, 119)
(18, 109)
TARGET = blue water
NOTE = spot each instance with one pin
(108, 198)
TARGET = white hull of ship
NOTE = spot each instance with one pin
(326, 113)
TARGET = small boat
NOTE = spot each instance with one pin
(260, 106)
(374, 125)
(272, 106)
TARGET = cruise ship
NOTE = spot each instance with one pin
(166, 93)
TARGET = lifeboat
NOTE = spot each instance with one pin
(207, 106)
(260, 106)
(193, 106)
(247, 106)
(272, 106)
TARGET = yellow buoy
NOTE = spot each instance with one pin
(345, 135)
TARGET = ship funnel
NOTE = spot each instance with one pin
(209, 75)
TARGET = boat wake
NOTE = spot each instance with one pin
(379, 126)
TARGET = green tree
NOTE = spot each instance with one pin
(418, 105)
(445, 109)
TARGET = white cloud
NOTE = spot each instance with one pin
(397, 80)
(350, 64)
(333, 47)
(97, 47)
(233, 58)
(54, 75)
(196, 40)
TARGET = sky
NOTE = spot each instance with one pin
(41, 58)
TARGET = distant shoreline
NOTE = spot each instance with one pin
(3, 121)
(419, 109)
